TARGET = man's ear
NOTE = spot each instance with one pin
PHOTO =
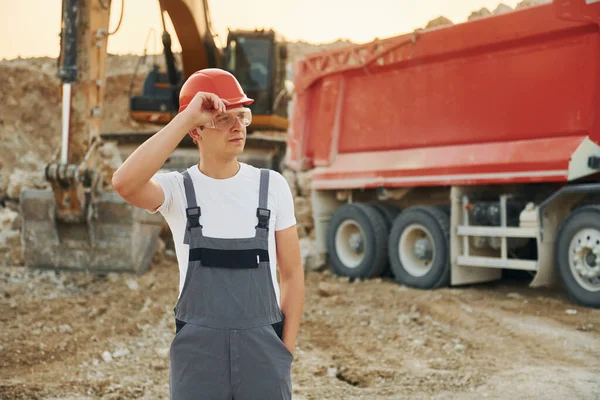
(195, 134)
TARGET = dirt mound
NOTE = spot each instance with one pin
(30, 125)
(299, 50)
(531, 3)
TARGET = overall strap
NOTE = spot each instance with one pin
(192, 211)
(262, 212)
(190, 195)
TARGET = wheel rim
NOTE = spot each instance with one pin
(349, 243)
(584, 259)
(416, 250)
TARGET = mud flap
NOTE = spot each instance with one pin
(117, 237)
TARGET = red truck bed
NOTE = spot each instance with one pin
(508, 98)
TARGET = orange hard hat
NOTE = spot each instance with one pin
(213, 80)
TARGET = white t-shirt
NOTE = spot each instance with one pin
(228, 208)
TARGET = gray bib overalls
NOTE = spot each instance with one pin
(228, 341)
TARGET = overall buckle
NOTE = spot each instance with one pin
(263, 215)
(193, 216)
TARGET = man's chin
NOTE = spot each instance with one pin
(236, 151)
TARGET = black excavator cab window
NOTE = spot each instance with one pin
(250, 60)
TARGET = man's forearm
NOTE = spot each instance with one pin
(147, 159)
(292, 305)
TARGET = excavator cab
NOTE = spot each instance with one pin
(258, 59)
(159, 100)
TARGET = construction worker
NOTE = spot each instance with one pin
(232, 225)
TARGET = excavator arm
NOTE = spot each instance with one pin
(191, 20)
(77, 224)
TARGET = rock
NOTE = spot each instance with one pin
(513, 295)
(438, 22)
(501, 9)
(290, 177)
(158, 366)
(315, 262)
(327, 289)
(15, 256)
(107, 357)
(581, 328)
(111, 160)
(482, 13)
(31, 160)
(121, 353)
(10, 239)
(466, 308)
(403, 318)
(304, 180)
(66, 328)
(571, 311)
(162, 351)
(159, 251)
(312, 260)
(13, 205)
(132, 284)
(7, 218)
(332, 372)
(460, 347)
(170, 255)
(531, 3)
(302, 231)
(3, 186)
(21, 179)
(303, 211)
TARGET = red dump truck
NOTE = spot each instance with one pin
(445, 156)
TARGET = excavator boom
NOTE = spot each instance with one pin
(191, 20)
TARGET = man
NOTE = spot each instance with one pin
(232, 225)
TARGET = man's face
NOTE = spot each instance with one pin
(225, 136)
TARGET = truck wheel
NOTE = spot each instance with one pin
(577, 254)
(357, 241)
(389, 212)
(419, 249)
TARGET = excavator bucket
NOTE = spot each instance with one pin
(115, 237)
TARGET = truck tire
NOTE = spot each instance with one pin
(419, 248)
(389, 212)
(357, 241)
(577, 255)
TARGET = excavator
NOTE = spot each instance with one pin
(79, 223)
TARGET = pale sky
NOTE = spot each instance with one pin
(31, 27)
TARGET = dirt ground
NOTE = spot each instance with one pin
(78, 336)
